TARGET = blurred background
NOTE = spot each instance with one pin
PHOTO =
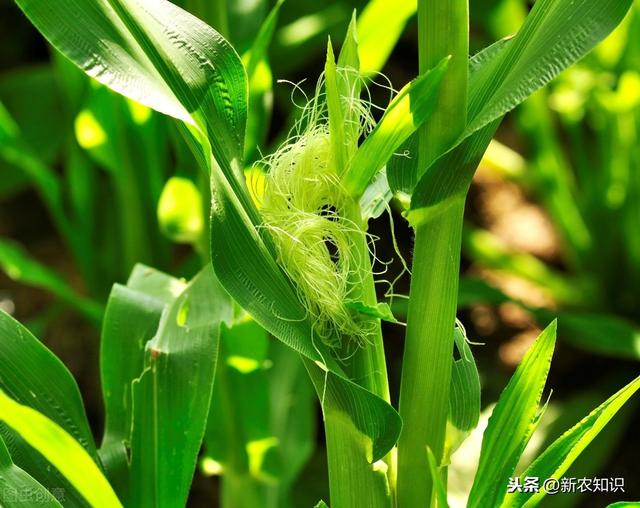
(91, 183)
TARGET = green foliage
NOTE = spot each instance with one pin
(556, 459)
(171, 397)
(21, 481)
(512, 423)
(407, 112)
(61, 450)
(184, 364)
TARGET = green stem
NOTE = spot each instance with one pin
(367, 367)
(352, 479)
(426, 368)
(443, 29)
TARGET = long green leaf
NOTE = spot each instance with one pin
(436, 474)
(512, 423)
(129, 141)
(171, 398)
(407, 112)
(61, 450)
(32, 375)
(556, 459)
(154, 53)
(293, 417)
(343, 87)
(238, 436)
(131, 320)
(15, 151)
(260, 427)
(440, 188)
(17, 487)
(464, 395)
(555, 34)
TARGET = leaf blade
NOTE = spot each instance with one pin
(61, 449)
(512, 422)
(557, 458)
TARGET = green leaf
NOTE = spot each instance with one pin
(60, 449)
(440, 188)
(380, 26)
(349, 58)
(402, 168)
(376, 197)
(245, 20)
(171, 398)
(260, 428)
(238, 435)
(380, 311)
(409, 110)
(436, 474)
(555, 34)
(128, 140)
(557, 458)
(350, 445)
(262, 40)
(14, 482)
(337, 115)
(15, 151)
(154, 53)
(464, 396)
(512, 423)
(342, 84)
(21, 267)
(404, 173)
(34, 376)
(130, 321)
(155, 283)
(293, 415)
(370, 421)
(321, 504)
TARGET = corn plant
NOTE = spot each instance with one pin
(289, 246)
